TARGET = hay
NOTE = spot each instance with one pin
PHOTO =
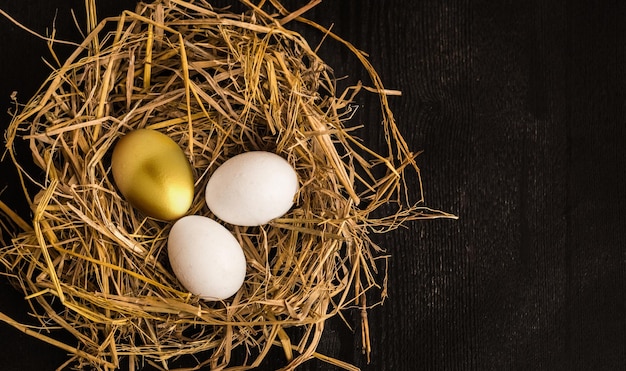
(218, 84)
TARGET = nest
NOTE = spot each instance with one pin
(219, 84)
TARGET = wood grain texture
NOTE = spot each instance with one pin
(519, 107)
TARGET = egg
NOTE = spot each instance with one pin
(252, 188)
(153, 174)
(206, 258)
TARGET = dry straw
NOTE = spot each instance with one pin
(219, 84)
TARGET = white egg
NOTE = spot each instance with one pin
(252, 188)
(206, 258)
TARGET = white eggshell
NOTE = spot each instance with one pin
(206, 258)
(252, 188)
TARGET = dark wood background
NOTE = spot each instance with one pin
(519, 107)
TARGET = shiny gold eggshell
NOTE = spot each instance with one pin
(153, 174)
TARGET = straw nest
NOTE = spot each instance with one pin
(218, 84)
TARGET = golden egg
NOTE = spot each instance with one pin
(153, 174)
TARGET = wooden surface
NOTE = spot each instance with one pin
(519, 107)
